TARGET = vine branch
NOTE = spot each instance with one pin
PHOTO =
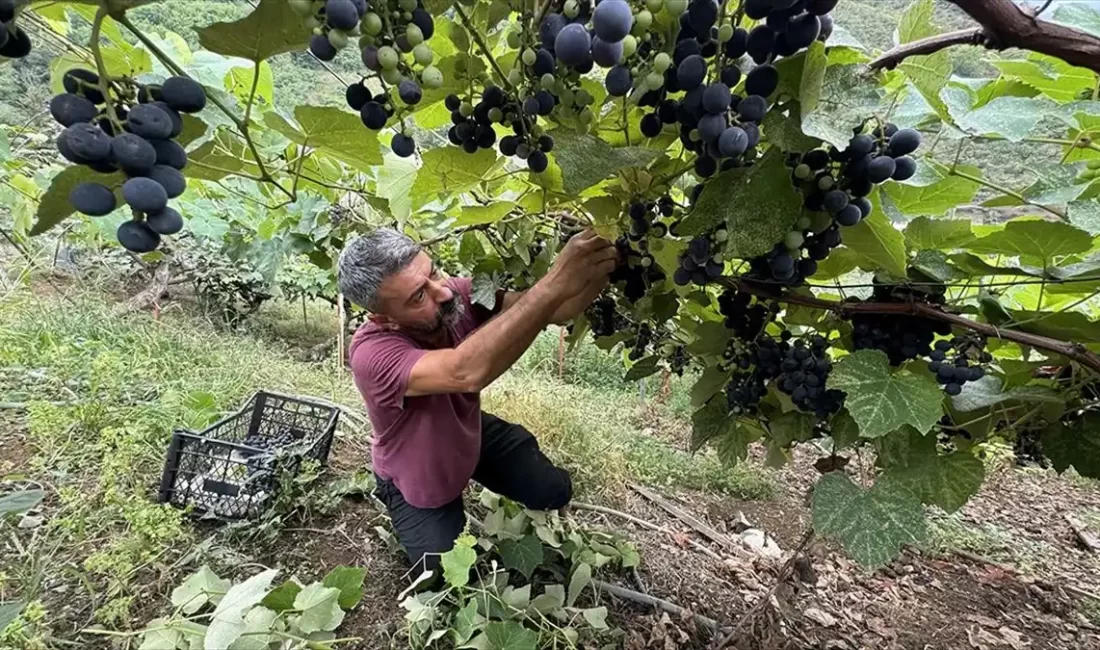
(1070, 350)
(482, 45)
(1002, 25)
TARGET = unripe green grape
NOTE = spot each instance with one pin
(586, 116)
(802, 171)
(413, 33)
(302, 7)
(311, 22)
(567, 96)
(821, 222)
(721, 235)
(514, 40)
(392, 76)
(718, 258)
(423, 54)
(406, 15)
(572, 9)
(547, 81)
(388, 57)
(365, 40)
(676, 7)
(536, 130)
(793, 240)
(667, 348)
(431, 77)
(648, 37)
(407, 5)
(825, 183)
(495, 114)
(630, 46)
(395, 15)
(654, 5)
(466, 109)
(642, 22)
(654, 80)
(646, 262)
(661, 62)
(515, 77)
(338, 39)
(725, 33)
(803, 223)
(529, 57)
(694, 135)
(584, 98)
(371, 23)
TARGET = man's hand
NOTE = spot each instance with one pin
(587, 258)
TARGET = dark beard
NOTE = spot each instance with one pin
(449, 314)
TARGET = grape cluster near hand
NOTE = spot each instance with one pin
(392, 43)
(128, 127)
(703, 261)
(14, 41)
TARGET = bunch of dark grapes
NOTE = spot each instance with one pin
(804, 369)
(703, 261)
(746, 317)
(645, 218)
(472, 124)
(900, 336)
(637, 270)
(392, 42)
(14, 42)
(678, 361)
(603, 318)
(744, 392)
(131, 129)
(957, 361)
(1028, 448)
(640, 342)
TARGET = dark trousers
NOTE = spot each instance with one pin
(511, 464)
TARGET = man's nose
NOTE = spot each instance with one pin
(443, 293)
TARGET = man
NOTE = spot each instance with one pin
(421, 361)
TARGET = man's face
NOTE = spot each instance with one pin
(417, 299)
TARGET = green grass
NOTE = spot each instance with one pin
(949, 533)
(103, 392)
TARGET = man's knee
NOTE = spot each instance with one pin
(554, 491)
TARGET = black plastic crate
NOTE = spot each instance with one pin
(232, 469)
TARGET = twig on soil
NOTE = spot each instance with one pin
(644, 524)
(753, 611)
(691, 520)
(1088, 539)
(664, 605)
(151, 294)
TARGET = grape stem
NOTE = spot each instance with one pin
(1004, 190)
(242, 125)
(482, 45)
(101, 67)
(1068, 349)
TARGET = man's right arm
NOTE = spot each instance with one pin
(494, 347)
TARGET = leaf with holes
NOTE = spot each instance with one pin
(872, 524)
(882, 401)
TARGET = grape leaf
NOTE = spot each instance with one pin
(813, 75)
(926, 233)
(319, 608)
(228, 622)
(551, 600)
(1076, 445)
(929, 73)
(19, 502)
(792, 427)
(484, 290)
(9, 612)
(349, 580)
(944, 480)
(711, 338)
(710, 382)
(333, 131)
(643, 368)
(1067, 325)
(581, 578)
(596, 617)
(522, 555)
(1081, 16)
(882, 401)
(224, 154)
(847, 98)
(450, 169)
(272, 28)
(783, 124)
(458, 561)
(158, 636)
(758, 205)
(510, 635)
(54, 206)
(199, 588)
(281, 598)
(871, 524)
(396, 177)
(1034, 238)
(1013, 118)
(934, 193)
(1052, 77)
(844, 430)
(586, 160)
(877, 242)
(473, 215)
(1085, 215)
(987, 391)
(467, 621)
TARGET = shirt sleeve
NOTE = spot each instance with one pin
(381, 369)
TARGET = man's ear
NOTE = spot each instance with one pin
(380, 319)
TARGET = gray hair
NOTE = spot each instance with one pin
(368, 260)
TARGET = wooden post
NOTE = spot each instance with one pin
(343, 328)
